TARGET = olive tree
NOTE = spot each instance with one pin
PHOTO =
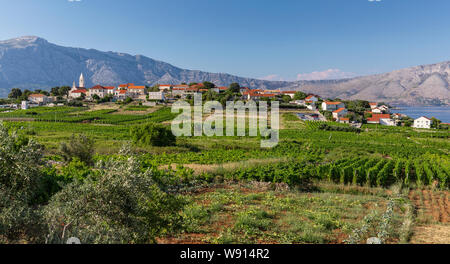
(120, 204)
(21, 184)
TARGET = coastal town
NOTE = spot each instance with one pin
(317, 108)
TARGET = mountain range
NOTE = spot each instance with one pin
(34, 63)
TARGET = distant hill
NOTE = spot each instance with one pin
(34, 63)
(421, 85)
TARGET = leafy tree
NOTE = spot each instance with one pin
(435, 122)
(234, 88)
(96, 97)
(122, 204)
(80, 147)
(128, 100)
(154, 88)
(209, 85)
(64, 90)
(210, 96)
(21, 186)
(15, 93)
(300, 96)
(153, 135)
(286, 98)
(55, 91)
(25, 95)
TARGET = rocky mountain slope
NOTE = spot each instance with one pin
(32, 62)
(421, 85)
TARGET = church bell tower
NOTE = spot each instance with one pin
(81, 81)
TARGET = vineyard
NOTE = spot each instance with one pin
(426, 170)
(340, 183)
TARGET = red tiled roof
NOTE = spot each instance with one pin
(122, 91)
(339, 110)
(36, 95)
(192, 89)
(289, 92)
(333, 103)
(126, 85)
(344, 119)
(181, 86)
(377, 117)
(136, 87)
(79, 91)
(98, 87)
(109, 87)
(373, 103)
(309, 97)
(223, 88)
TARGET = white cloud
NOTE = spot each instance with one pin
(74, 0)
(273, 77)
(330, 74)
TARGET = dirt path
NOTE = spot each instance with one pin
(433, 221)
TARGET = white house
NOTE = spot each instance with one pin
(387, 122)
(137, 92)
(311, 107)
(377, 110)
(38, 99)
(156, 96)
(77, 93)
(289, 93)
(423, 122)
(332, 106)
(120, 94)
(384, 108)
(341, 112)
(25, 105)
(98, 90)
(110, 90)
(311, 99)
(373, 105)
(165, 87)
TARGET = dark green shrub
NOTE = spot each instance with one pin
(80, 147)
(152, 134)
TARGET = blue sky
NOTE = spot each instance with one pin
(279, 39)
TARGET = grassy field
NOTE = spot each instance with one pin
(316, 186)
(264, 213)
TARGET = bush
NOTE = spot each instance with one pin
(80, 147)
(152, 134)
(121, 204)
(21, 185)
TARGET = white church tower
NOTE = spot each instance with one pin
(74, 87)
(81, 85)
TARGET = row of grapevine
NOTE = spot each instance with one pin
(385, 172)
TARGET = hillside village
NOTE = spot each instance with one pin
(354, 113)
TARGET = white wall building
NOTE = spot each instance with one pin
(332, 106)
(341, 112)
(165, 87)
(38, 99)
(25, 105)
(156, 96)
(98, 90)
(423, 122)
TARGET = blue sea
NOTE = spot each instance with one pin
(440, 112)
